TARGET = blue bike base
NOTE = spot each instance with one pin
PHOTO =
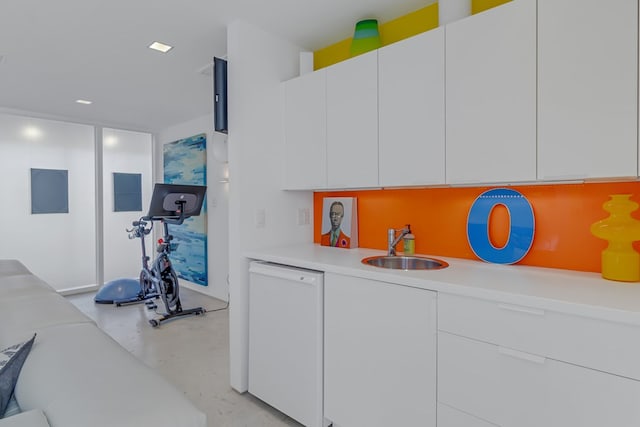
(118, 290)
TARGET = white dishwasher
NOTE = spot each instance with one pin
(286, 340)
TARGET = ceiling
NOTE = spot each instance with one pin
(55, 52)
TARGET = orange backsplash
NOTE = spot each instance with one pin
(438, 218)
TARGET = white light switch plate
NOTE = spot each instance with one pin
(260, 218)
(303, 216)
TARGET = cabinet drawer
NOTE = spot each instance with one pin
(598, 344)
(451, 417)
(516, 389)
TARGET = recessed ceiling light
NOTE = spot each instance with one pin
(31, 132)
(161, 47)
(110, 141)
(84, 101)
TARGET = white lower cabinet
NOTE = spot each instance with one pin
(386, 354)
(380, 354)
(585, 341)
(509, 387)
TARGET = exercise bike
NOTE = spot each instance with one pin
(149, 284)
(174, 203)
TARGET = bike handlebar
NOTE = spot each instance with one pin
(139, 229)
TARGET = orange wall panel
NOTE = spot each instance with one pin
(438, 218)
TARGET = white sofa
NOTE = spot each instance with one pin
(76, 375)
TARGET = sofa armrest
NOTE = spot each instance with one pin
(12, 267)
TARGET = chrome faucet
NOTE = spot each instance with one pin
(392, 240)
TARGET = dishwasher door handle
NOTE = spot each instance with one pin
(284, 273)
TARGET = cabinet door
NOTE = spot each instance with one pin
(491, 95)
(587, 89)
(352, 122)
(411, 110)
(305, 132)
(516, 389)
(379, 354)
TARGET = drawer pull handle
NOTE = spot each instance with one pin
(527, 310)
(521, 355)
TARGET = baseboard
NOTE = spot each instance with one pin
(78, 290)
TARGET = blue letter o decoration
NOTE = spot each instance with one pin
(520, 233)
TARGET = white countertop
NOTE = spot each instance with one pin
(566, 291)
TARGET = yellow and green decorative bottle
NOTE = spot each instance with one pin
(365, 37)
(619, 260)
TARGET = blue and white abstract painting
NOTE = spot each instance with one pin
(185, 162)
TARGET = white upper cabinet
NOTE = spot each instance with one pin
(305, 132)
(411, 110)
(587, 89)
(491, 95)
(352, 122)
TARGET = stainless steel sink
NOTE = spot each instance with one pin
(405, 262)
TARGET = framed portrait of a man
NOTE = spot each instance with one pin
(339, 222)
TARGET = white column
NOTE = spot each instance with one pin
(99, 202)
(306, 62)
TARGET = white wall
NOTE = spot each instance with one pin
(124, 152)
(217, 201)
(60, 248)
(257, 63)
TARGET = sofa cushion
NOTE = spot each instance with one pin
(21, 316)
(11, 360)
(34, 418)
(79, 377)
